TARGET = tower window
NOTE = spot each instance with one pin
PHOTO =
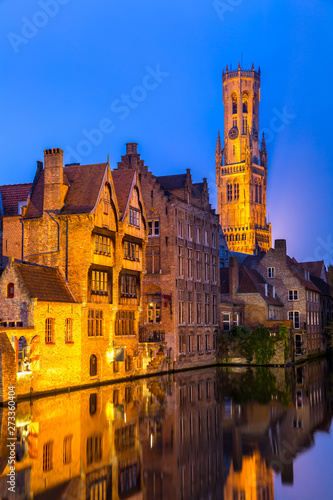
(236, 191)
(245, 125)
(234, 103)
(234, 150)
(245, 102)
(234, 122)
(229, 192)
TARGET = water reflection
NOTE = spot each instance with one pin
(210, 434)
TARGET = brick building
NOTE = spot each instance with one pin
(181, 285)
(74, 224)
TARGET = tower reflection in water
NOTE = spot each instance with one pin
(208, 434)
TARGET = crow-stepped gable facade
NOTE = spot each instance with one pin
(241, 166)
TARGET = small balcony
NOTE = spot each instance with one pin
(146, 335)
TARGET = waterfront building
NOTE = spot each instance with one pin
(241, 166)
(91, 249)
(180, 308)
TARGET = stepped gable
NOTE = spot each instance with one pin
(123, 180)
(197, 189)
(11, 195)
(44, 283)
(84, 183)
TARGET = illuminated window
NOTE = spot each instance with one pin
(226, 322)
(245, 102)
(67, 452)
(99, 282)
(95, 323)
(134, 217)
(102, 244)
(10, 290)
(48, 456)
(93, 365)
(154, 309)
(154, 227)
(49, 330)
(68, 330)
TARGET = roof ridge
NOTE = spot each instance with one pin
(18, 184)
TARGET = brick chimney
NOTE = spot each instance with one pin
(233, 276)
(54, 188)
(281, 246)
(131, 160)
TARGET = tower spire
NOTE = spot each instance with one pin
(218, 144)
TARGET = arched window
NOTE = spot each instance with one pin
(226, 237)
(243, 236)
(93, 365)
(245, 102)
(237, 237)
(10, 290)
(236, 191)
(231, 237)
(229, 192)
(234, 103)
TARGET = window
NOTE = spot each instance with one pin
(213, 240)
(153, 259)
(190, 308)
(245, 125)
(236, 191)
(128, 367)
(180, 262)
(182, 345)
(198, 266)
(214, 309)
(206, 238)
(206, 308)
(93, 365)
(125, 321)
(134, 217)
(293, 295)
(181, 311)
(99, 282)
(68, 330)
(206, 267)
(245, 103)
(49, 330)
(198, 235)
(10, 290)
(234, 103)
(48, 456)
(95, 323)
(67, 452)
(94, 449)
(271, 272)
(190, 263)
(154, 227)
(199, 345)
(189, 232)
(229, 192)
(199, 319)
(214, 268)
(128, 286)
(102, 244)
(294, 317)
(207, 342)
(131, 250)
(191, 342)
(180, 229)
(235, 318)
(154, 311)
(214, 341)
(226, 322)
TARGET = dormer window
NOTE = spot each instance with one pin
(271, 272)
(134, 217)
(10, 290)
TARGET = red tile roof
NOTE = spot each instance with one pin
(12, 195)
(122, 180)
(44, 283)
(84, 186)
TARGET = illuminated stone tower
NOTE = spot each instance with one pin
(241, 167)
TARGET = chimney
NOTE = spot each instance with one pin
(132, 148)
(233, 276)
(281, 246)
(54, 188)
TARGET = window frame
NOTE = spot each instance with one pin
(49, 330)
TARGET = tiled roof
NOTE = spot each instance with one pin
(250, 281)
(84, 186)
(324, 287)
(298, 271)
(171, 182)
(316, 268)
(122, 180)
(44, 283)
(12, 195)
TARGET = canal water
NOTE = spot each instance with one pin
(217, 433)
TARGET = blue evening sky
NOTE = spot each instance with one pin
(70, 67)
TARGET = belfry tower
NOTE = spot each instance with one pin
(241, 167)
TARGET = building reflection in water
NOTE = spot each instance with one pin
(208, 434)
